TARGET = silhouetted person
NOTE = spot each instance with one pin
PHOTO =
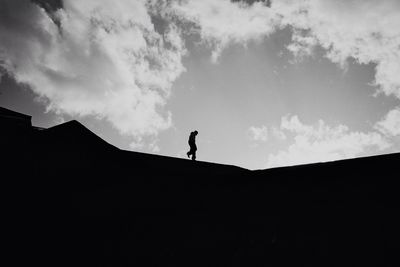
(192, 144)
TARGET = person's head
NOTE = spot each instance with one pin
(195, 132)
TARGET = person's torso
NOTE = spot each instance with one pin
(192, 138)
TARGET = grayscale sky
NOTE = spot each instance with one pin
(266, 83)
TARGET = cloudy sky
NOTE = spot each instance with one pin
(266, 83)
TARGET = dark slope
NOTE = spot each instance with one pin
(76, 200)
(74, 133)
(72, 149)
(74, 144)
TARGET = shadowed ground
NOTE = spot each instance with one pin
(73, 199)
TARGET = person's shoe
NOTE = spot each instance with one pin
(188, 154)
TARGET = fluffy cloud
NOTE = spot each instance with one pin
(139, 144)
(223, 22)
(258, 133)
(263, 133)
(390, 124)
(105, 58)
(365, 30)
(321, 142)
(278, 133)
(94, 57)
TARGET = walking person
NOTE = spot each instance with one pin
(192, 144)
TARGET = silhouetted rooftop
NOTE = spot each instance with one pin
(10, 116)
(76, 200)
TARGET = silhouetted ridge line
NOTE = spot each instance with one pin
(74, 200)
(380, 157)
(73, 132)
(9, 117)
(169, 165)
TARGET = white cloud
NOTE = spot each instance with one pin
(278, 133)
(59, 120)
(144, 145)
(390, 124)
(365, 30)
(263, 133)
(137, 144)
(321, 142)
(258, 133)
(222, 22)
(154, 147)
(105, 60)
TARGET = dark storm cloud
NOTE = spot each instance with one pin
(250, 2)
(14, 13)
(18, 29)
(17, 18)
(123, 73)
(11, 9)
(49, 5)
(344, 29)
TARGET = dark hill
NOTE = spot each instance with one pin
(74, 134)
(73, 199)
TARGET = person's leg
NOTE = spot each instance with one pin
(194, 155)
(190, 151)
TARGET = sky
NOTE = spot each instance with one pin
(265, 83)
